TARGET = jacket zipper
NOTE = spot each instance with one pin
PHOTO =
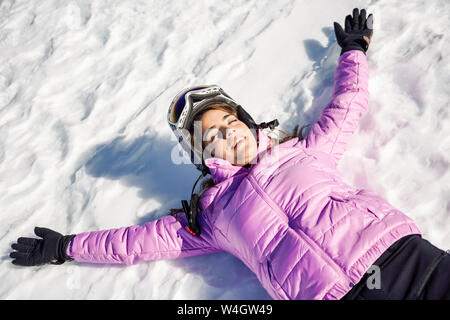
(322, 254)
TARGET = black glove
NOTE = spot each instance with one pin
(33, 252)
(358, 32)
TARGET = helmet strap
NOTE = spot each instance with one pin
(191, 210)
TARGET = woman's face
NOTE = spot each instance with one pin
(226, 137)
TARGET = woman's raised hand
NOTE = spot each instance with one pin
(358, 31)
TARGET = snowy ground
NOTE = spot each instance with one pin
(84, 144)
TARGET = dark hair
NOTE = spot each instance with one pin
(209, 182)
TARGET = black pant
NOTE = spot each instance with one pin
(410, 269)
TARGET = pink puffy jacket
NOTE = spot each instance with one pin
(290, 218)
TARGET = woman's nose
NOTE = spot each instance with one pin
(230, 133)
(230, 136)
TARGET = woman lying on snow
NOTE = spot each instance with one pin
(278, 205)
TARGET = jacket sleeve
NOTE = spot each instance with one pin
(164, 238)
(339, 119)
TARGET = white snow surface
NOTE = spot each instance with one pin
(84, 142)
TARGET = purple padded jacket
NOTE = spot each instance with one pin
(290, 218)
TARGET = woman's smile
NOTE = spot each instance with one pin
(240, 142)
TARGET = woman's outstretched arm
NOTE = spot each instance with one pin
(340, 118)
(164, 238)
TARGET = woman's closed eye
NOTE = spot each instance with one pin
(212, 135)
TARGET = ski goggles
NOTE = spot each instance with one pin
(192, 100)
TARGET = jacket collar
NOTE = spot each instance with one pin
(222, 169)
